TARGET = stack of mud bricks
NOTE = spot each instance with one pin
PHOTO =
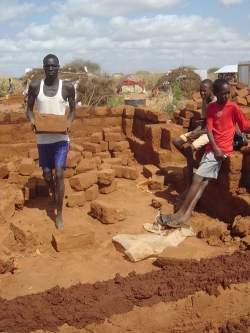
(191, 117)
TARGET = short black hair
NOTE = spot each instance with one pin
(208, 82)
(218, 84)
(50, 56)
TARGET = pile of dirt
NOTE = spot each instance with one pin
(84, 304)
(187, 79)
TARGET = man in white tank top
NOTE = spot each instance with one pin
(52, 95)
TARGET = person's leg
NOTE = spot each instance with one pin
(48, 177)
(59, 195)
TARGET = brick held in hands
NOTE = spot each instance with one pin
(240, 100)
(50, 123)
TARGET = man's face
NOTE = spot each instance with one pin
(205, 91)
(223, 94)
(51, 68)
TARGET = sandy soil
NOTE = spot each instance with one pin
(40, 267)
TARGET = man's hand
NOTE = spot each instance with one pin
(218, 153)
(194, 135)
(33, 127)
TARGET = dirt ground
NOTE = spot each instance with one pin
(41, 272)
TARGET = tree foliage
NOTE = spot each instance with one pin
(212, 70)
(78, 64)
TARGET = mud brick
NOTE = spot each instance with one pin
(30, 189)
(18, 199)
(83, 181)
(153, 136)
(149, 170)
(101, 111)
(92, 147)
(127, 125)
(198, 114)
(159, 117)
(17, 116)
(50, 123)
(87, 155)
(240, 100)
(11, 167)
(168, 133)
(176, 113)
(129, 111)
(42, 188)
(105, 166)
(157, 183)
(140, 112)
(23, 179)
(125, 152)
(242, 92)
(114, 129)
(112, 161)
(13, 177)
(76, 199)
(199, 103)
(183, 122)
(115, 137)
(96, 161)
(233, 91)
(106, 176)
(191, 105)
(248, 99)
(73, 237)
(106, 189)
(148, 114)
(241, 226)
(86, 139)
(6, 260)
(126, 172)
(33, 153)
(103, 154)
(185, 130)
(120, 146)
(196, 96)
(27, 166)
(105, 212)
(188, 114)
(117, 110)
(104, 146)
(3, 170)
(69, 172)
(83, 111)
(124, 158)
(25, 233)
(84, 166)
(214, 229)
(96, 137)
(7, 209)
(76, 147)
(92, 192)
(111, 145)
(73, 158)
(240, 85)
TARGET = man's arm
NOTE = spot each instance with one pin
(218, 153)
(32, 94)
(70, 91)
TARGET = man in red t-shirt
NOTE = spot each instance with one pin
(222, 117)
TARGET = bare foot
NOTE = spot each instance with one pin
(59, 222)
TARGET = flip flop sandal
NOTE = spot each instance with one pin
(177, 224)
(164, 219)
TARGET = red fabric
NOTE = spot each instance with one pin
(221, 120)
(128, 82)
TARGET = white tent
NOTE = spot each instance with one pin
(228, 69)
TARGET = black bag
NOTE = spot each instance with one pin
(239, 140)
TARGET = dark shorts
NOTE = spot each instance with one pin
(52, 155)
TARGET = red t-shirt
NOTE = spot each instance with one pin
(221, 120)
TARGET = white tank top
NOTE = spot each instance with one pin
(51, 105)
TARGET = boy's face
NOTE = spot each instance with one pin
(223, 94)
(205, 91)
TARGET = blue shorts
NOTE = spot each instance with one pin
(52, 155)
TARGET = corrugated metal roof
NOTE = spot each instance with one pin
(228, 69)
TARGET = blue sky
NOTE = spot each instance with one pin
(124, 36)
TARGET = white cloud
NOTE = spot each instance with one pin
(230, 2)
(109, 8)
(14, 10)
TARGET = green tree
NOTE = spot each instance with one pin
(78, 64)
(212, 70)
